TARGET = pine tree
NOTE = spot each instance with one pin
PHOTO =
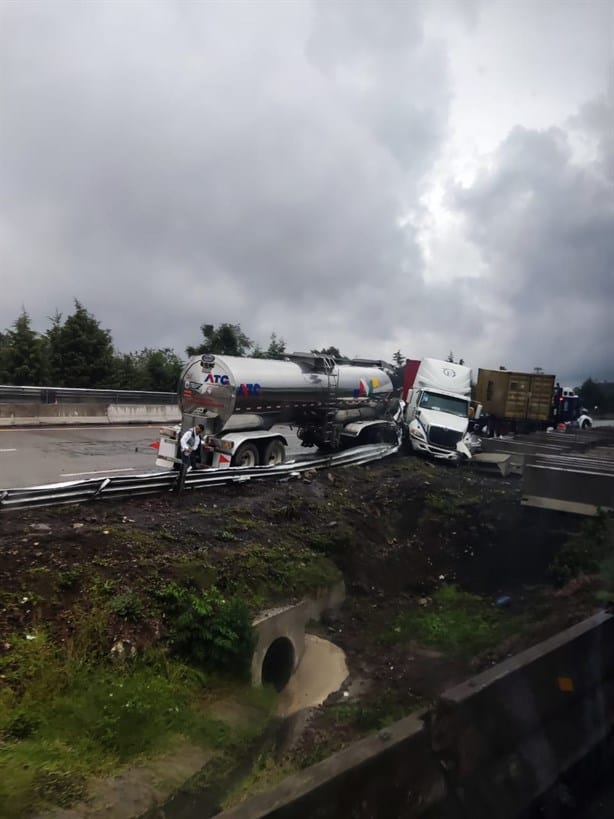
(21, 359)
(80, 351)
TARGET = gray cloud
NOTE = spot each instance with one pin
(544, 222)
(226, 152)
(175, 163)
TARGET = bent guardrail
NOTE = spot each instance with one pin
(74, 492)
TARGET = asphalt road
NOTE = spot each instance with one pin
(29, 457)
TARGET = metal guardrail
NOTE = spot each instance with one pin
(73, 492)
(62, 395)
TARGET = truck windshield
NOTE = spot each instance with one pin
(444, 403)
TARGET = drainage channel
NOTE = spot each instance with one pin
(303, 668)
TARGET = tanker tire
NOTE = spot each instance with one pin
(246, 455)
(274, 454)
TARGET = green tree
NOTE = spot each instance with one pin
(157, 370)
(276, 349)
(226, 339)
(80, 352)
(21, 360)
(126, 375)
(52, 361)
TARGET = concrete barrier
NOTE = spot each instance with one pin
(581, 486)
(506, 736)
(391, 775)
(490, 747)
(37, 415)
(135, 414)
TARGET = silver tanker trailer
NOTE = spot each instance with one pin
(241, 400)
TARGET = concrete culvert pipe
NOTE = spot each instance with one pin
(278, 663)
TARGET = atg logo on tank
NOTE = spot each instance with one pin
(249, 389)
(366, 388)
(216, 378)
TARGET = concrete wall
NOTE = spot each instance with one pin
(488, 748)
(27, 415)
(506, 735)
(582, 490)
(391, 775)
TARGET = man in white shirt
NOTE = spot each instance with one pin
(190, 445)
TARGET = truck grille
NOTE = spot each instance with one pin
(448, 438)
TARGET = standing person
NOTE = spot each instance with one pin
(190, 445)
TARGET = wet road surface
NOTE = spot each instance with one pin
(29, 457)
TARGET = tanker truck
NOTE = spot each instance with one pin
(438, 413)
(241, 401)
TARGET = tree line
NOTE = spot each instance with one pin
(77, 352)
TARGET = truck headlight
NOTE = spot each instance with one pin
(417, 430)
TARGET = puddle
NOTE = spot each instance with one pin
(322, 671)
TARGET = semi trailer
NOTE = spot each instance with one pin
(242, 401)
(521, 402)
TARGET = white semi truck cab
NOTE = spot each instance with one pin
(438, 412)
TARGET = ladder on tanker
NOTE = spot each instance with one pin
(330, 431)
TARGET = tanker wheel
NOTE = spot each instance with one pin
(274, 454)
(246, 455)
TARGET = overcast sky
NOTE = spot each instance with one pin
(373, 174)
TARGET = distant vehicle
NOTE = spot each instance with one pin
(438, 412)
(522, 402)
(240, 401)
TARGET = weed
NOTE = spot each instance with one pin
(263, 574)
(68, 581)
(209, 630)
(367, 716)
(266, 772)
(197, 574)
(245, 524)
(295, 508)
(127, 605)
(102, 587)
(449, 503)
(332, 542)
(226, 536)
(584, 552)
(456, 622)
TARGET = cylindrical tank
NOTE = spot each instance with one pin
(219, 387)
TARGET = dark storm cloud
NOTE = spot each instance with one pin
(177, 163)
(543, 220)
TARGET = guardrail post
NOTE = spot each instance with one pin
(183, 470)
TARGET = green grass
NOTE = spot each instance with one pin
(62, 721)
(455, 622)
(366, 716)
(265, 574)
(587, 552)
